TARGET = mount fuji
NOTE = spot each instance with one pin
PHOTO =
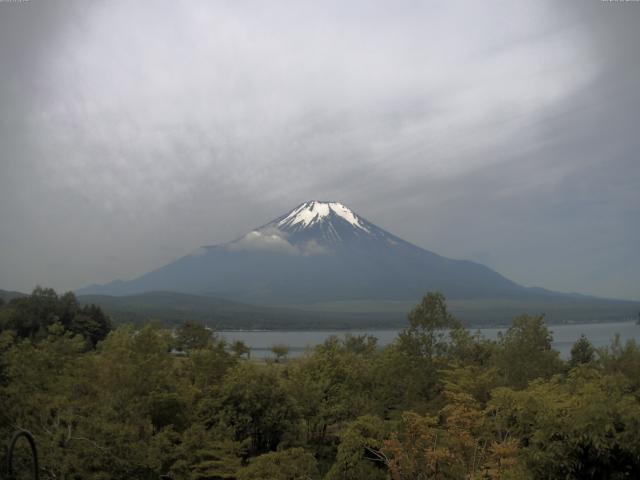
(318, 252)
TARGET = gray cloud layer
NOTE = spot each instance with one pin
(504, 132)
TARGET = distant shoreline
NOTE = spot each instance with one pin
(387, 329)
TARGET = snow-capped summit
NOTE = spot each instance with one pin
(310, 213)
(331, 224)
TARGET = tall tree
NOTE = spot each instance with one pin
(192, 336)
(359, 453)
(582, 352)
(421, 351)
(525, 352)
(240, 348)
(253, 403)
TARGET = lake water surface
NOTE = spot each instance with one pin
(600, 334)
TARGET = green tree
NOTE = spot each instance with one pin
(280, 350)
(583, 426)
(49, 391)
(360, 451)
(623, 359)
(332, 385)
(205, 368)
(192, 336)
(31, 316)
(198, 454)
(136, 376)
(582, 352)
(360, 344)
(430, 326)
(471, 349)
(253, 403)
(525, 352)
(92, 323)
(413, 364)
(291, 464)
(240, 348)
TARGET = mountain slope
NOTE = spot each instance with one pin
(7, 295)
(320, 251)
(324, 252)
(174, 308)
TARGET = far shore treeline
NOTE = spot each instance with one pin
(150, 402)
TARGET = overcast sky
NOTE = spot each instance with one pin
(505, 132)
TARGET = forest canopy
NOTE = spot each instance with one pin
(440, 402)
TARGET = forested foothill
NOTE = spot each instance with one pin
(438, 403)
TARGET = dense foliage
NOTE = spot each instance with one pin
(438, 403)
(33, 316)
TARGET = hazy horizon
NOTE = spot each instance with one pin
(506, 134)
